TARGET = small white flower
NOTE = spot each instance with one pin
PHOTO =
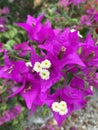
(62, 105)
(91, 87)
(55, 107)
(1, 25)
(63, 112)
(46, 64)
(37, 67)
(44, 74)
(28, 64)
(73, 30)
(80, 35)
(63, 108)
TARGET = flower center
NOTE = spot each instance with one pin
(37, 67)
(42, 69)
(62, 52)
(28, 86)
(60, 107)
(45, 74)
(46, 64)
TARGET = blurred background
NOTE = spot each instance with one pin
(81, 15)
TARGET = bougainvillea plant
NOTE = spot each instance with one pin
(57, 68)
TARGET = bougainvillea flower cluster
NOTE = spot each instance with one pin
(60, 71)
(10, 114)
(65, 3)
(91, 16)
(3, 12)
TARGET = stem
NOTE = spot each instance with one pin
(14, 56)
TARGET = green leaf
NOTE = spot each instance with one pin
(11, 34)
(6, 35)
(84, 31)
(69, 77)
(9, 44)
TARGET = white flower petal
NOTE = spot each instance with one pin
(46, 64)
